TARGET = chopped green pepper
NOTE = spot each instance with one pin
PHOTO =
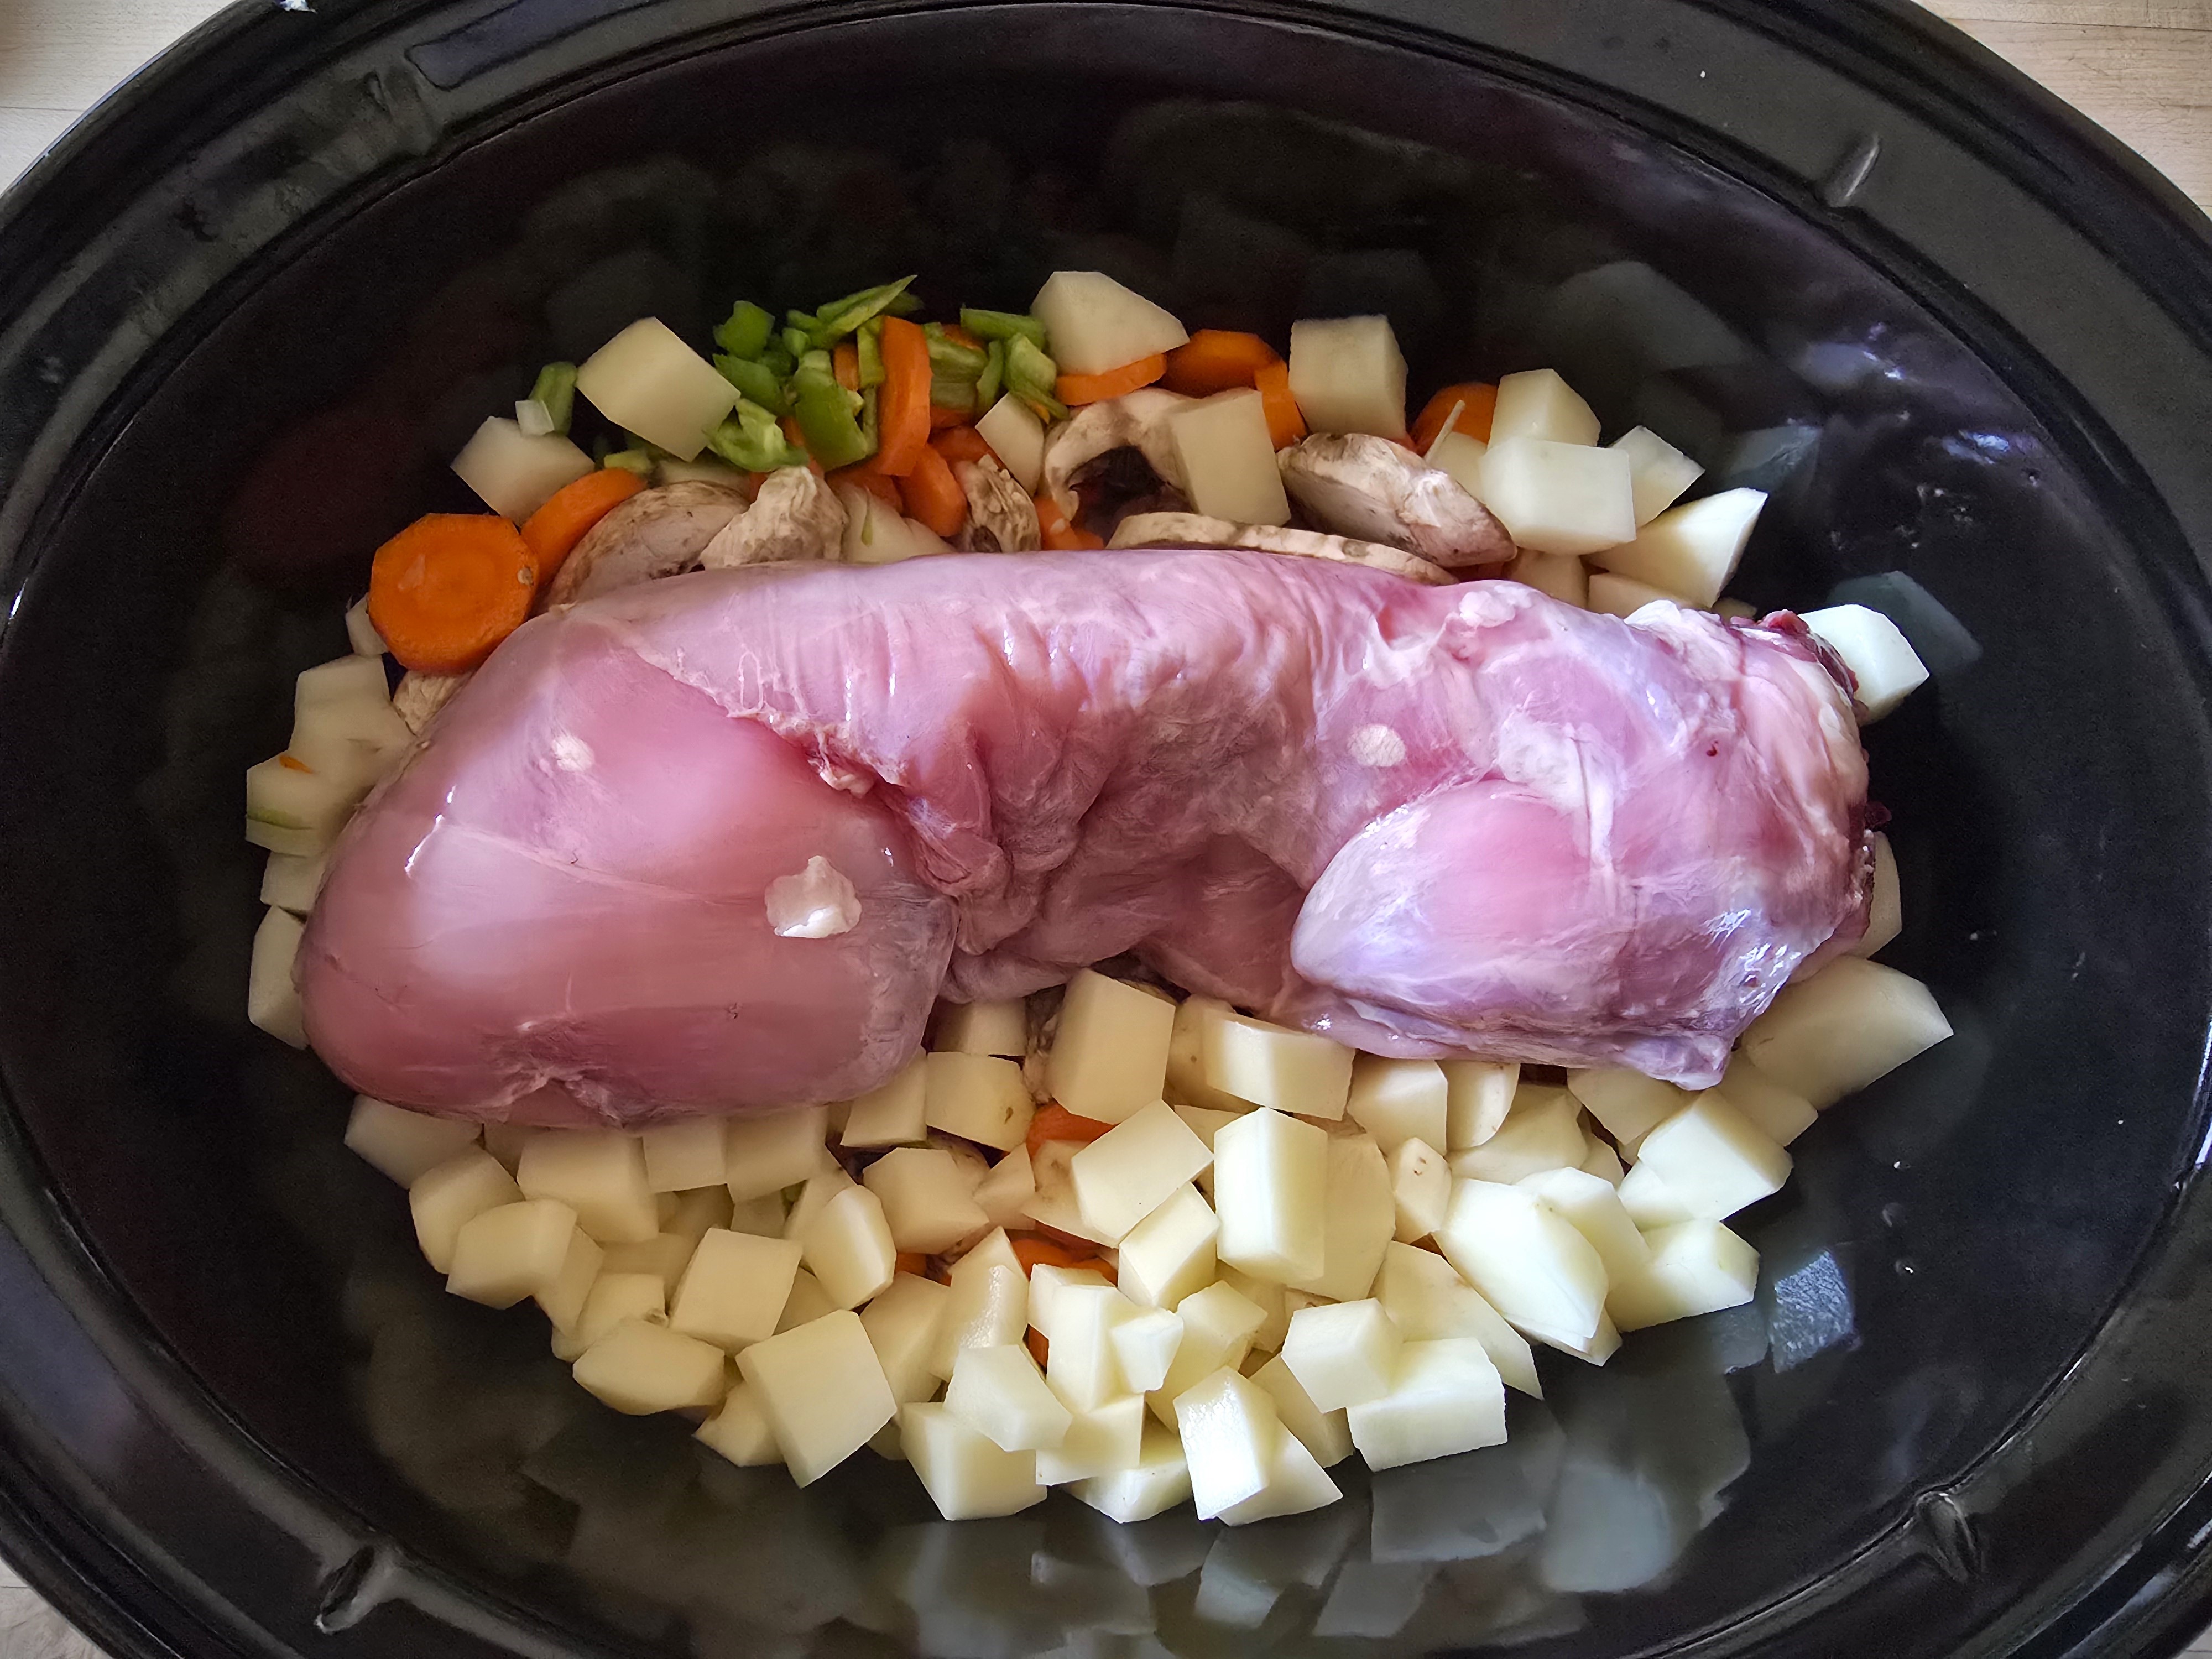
(778, 361)
(994, 375)
(639, 461)
(947, 356)
(555, 388)
(796, 342)
(868, 344)
(871, 422)
(1032, 376)
(1002, 326)
(825, 411)
(754, 380)
(800, 319)
(751, 440)
(746, 329)
(841, 317)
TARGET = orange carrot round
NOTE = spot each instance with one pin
(1286, 423)
(1217, 359)
(932, 495)
(1032, 1248)
(961, 443)
(1054, 1121)
(1072, 389)
(553, 531)
(866, 475)
(1057, 533)
(902, 409)
(1480, 399)
(449, 588)
(941, 418)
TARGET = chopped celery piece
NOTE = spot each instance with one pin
(948, 357)
(841, 317)
(994, 375)
(555, 388)
(1002, 326)
(750, 439)
(833, 436)
(1031, 376)
(744, 332)
(816, 366)
(754, 380)
(796, 344)
(958, 396)
(639, 461)
(871, 426)
(868, 344)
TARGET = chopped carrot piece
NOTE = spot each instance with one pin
(903, 411)
(449, 588)
(1217, 359)
(553, 531)
(961, 443)
(1056, 533)
(293, 763)
(1040, 1350)
(1481, 401)
(960, 336)
(845, 364)
(1031, 1250)
(910, 1261)
(1054, 1121)
(1286, 423)
(872, 478)
(941, 419)
(798, 436)
(933, 495)
(1072, 389)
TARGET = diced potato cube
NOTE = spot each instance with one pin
(1537, 403)
(1358, 1219)
(640, 1367)
(511, 1252)
(767, 1154)
(1270, 1179)
(1046, 1280)
(1293, 1072)
(1629, 1104)
(1017, 438)
(1348, 375)
(505, 1142)
(1274, 1302)
(1134, 1168)
(739, 1430)
(445, 1199)
(978, 1097)
(925, 1199)
(999, 1394)
(1875, 650)
(1558, 497)
(1527, 1260)
(1399, 1100)
(514, 472)
(763, 1215)
(1081, 1364)
(1205, 1122)
(1713, 1158)
(1885, 915)
(1623, 596)
(1159, 1481)
(1460, 459)
(1009, 1186)
(272, 999)
(849, 1249)
(1659, 471)
(647, 380)
(823, 1391)
(1478, 1097)
(1296, 1484)
(966, 1476)
(734, 1289)
(1835, 1033)
(613, 1297)
(405, 1144)
(1171, 1252)
(1229, 1429)
(827, 1181)
(1054, 1204)
(597, 1173)
(1446, 1398)
(1219, 1323)
(1593, 1349)
(1696, 1267)
(1593, 1204)
(1429, 1300)
(982, 1028)
(1100, 1442)
(1543, 1130)
(1343, 1353)
(562, 1301)
(892, 1114)
(1185, 1084)
(1651, 1202)
(1229, 458)
(1145, 1346)
(903, 1325)
(1779, 1114)
(1691, 550)
(1109, 1054)
(1093, 323)
(1561, 575)
(680, 1157)
(1421, 1189)
(809, 1301)
(1325, 1434)
(989, 1307)
(291, 882)
(1602, 1161)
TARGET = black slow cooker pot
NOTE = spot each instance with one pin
(249, 307)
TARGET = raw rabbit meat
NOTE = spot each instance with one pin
(1423, 820)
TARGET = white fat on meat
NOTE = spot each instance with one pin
(818, 902)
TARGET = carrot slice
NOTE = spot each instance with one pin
(941, 418)
(903, 411)
(1056, 533)
(1073, 389)
(1217, 359)
(845, 364)
(1040, 1350)
(961, 443)
(553, 531)
(1286, 423)
(910, 1261)
(793, 430)
(869, 476)
(449, 588)
(1054, 1121)
(1480, 399)
(960, 336)
(932, 495)
(1031, 1248)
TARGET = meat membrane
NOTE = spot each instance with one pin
(1425, 821)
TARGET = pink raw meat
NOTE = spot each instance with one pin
(1424, 820)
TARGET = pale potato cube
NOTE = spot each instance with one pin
(562, 1301)
(925, 1200)
(1399, 1100)
(734, 1289)
(1593, 1349)
(1629, 1104)
(505, 1142)
(272, 999)
(989, 1307)
(966, 1477)
(1696, 1267)
(1295, 1485)
(978, 1097)
(1559, 497)
(764, 1215)
(293, 881)
(827, 1181)
(514, 1251)
(1186, 1085)
(1054, 1203)
(1429, 1300)
(1478, 1095)
(1219, 1323)
(514, 472)
(1659, 472)
(683, 1156)
(1015, 436)
(903, 1325)
(1145, 1346)
(1875, 650)
(1713, 1158)
(982, 1028)
(1171, 1252)
(1229, 1429)
(1293, 1072)
(1610, 595)
(740, 1430)
(646, 381)
(1691, 550)
(1593, 1204)
(1343, 1353)
(1781, 1115)
(1229, 458)
(1537, 403)
(1348, 375)
(1205, 1122)
(972, 1163)
(894, 1113)
(1093, 323)
(1525, 1258)
(446, 1199)
(597, 1173)
(1158, 1481)
(1885, 915)
(1421, 1189)
(405, 1144)
(1561, 575)
(1274, 1302)
(1358, 1219)
(1835, 1033)
(664, 1255)
(1270, 1182)
(809, 1301)
(848, 1247)
(1445, 1398)
(768, 1153)
(1010, 1184)
(1602, 1161)
(1098, 1442)
(1080, 1365)
(1325, 1434)
(1045, 1282)
(823, 1391)
(1544, 1131)
(614, 1296)
(1460, 459)
(999, 1394)
(640, 1367)
(1110, 1053)
(1134, 1168)
(1651, 1202)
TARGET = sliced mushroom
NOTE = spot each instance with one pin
(419, 695)
(1196, 529)
(795, 516)
(1369, 488)
(1136, 421)
(655, 533)
(1001, 517)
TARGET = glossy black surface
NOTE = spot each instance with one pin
(256, 305)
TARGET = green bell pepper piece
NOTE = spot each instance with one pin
(751, 439)
(948, 357)
(746, 329)
(833, 436)
(1002, 326)
(841, 317)
(754, 380)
